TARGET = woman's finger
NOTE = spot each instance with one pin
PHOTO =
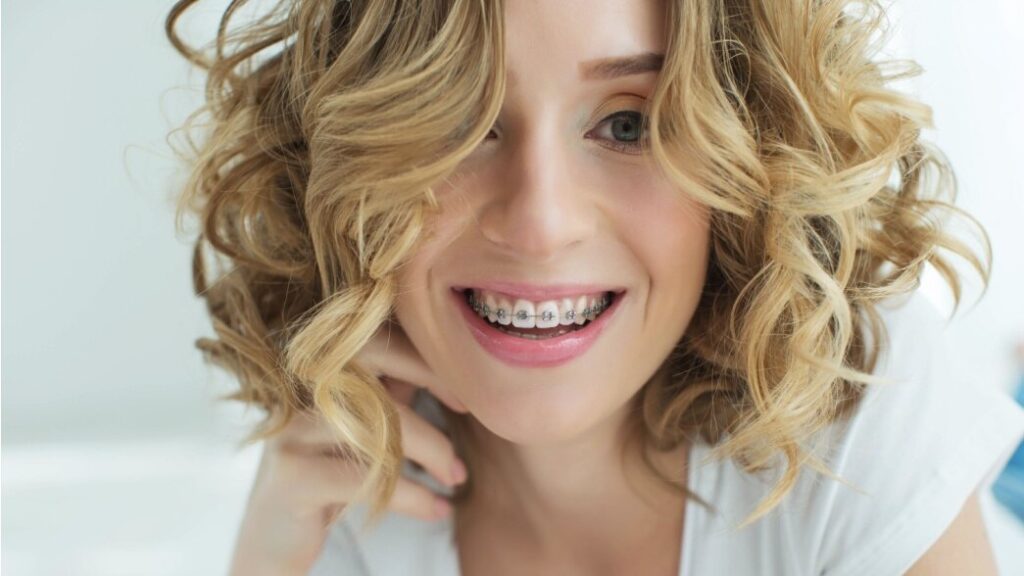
(390, 352)
(423, 443)
(309, 433)
(331, 483)
(401, 391)
(427, 446)
(416, 500)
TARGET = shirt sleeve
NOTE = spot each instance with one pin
(915, 450)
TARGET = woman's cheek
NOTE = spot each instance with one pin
(669, 232)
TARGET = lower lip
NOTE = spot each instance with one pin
(534, 353)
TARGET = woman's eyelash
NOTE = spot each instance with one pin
(639, 122)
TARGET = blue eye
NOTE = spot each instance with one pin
(628, 131)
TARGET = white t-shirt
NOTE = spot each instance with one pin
(917, 449)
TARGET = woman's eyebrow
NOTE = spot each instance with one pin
(608, 68)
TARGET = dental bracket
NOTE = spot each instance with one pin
(588, 313)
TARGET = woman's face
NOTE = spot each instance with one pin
(556, 205)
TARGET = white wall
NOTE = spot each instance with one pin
(98, 315)
(973, 55)
(109, 427)
(116, 459)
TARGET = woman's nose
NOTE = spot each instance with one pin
(540, 207)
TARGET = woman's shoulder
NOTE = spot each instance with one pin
(909, 456)
(913, 452)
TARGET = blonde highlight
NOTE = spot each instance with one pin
(315, 181)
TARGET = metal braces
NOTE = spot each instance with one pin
(588, 312)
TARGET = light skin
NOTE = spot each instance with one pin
(548, 199)
(539, 202)
(963, 548)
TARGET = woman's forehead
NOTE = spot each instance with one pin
(566, 40)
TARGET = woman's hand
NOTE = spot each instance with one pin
(304, 479)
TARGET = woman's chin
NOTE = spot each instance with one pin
(530, 424)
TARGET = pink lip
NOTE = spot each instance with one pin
(534, 353)
(538, 293)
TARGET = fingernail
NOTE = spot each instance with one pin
(458, 471)
(441, 507)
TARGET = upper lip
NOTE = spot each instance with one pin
(538, 292)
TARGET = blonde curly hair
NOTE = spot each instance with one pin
(328, 123)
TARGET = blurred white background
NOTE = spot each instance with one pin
(116, 457)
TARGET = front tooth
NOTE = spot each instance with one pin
(491, 306)
(581, 305)
(505, 312)
(566, 312)
(522, 314)
(547, 314)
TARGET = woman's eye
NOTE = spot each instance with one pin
(624, 131)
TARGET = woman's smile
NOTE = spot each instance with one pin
(538, 334)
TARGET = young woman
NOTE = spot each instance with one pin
(585, 287)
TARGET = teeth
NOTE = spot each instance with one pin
(547, 314)
(566, 312)
(577, 311)
(522, 314)
(536, 336)
(492, 307)
(581, 310)
(504, 316)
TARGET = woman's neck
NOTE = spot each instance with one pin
(588, 501)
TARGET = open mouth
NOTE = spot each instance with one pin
(509, 331)
(566, 320)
